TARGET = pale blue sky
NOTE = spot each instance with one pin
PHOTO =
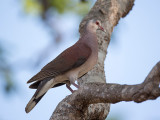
(129, 60)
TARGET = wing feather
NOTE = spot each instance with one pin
(71, 58)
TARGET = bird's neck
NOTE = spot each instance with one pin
(90, 38)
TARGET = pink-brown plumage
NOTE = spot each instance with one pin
(69, 59)
(68, 66)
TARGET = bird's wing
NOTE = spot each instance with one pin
(36, 84)
(71, 58)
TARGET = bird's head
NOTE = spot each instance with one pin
(94, 25)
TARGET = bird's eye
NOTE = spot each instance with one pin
(97, 23)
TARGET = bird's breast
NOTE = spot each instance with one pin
(84, 68)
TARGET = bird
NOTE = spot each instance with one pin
(68, 66)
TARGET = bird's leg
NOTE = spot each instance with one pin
(73, 83)
(68, 86)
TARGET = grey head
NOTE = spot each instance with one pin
(94, 25)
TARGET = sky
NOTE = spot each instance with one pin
(135, 50)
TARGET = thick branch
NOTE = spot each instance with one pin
(113, 93)
(91, 93)
(108, 12)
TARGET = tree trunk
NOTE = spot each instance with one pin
(91, 100)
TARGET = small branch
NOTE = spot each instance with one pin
(73, 106)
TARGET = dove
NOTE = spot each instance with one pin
(68, 66)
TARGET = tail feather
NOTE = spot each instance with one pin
(35, 85)
(32, 103)
(43, 87)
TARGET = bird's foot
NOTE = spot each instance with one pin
(68, 86)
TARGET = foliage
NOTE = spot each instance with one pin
(60, 6)
(32, 6)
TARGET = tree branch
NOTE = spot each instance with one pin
(108, 12)
(74, 106)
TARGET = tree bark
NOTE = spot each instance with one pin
(91, 100)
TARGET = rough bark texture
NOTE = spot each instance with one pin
(91, 100)
(74, 107)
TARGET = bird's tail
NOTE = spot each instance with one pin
(43, 87)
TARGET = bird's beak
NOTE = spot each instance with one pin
(101, 28)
